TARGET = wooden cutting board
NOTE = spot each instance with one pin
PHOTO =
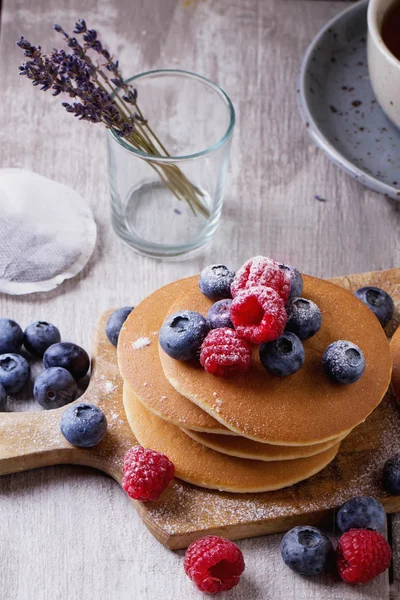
(185, 512)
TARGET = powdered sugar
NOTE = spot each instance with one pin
(141, 343)
(109, 387)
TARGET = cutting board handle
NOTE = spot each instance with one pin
(32, 439)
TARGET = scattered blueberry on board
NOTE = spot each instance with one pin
(391, 475)
(303, 317)
(3, 399)
(15, 372)
(296, 280)
(182, 334)
(283, 356)
(54, 387)
(39, 336)
(115, 322)
(378, 301)
(83, 425)
(215, 282)
(219, 315)
(68, 356)
(361, 512)
(11, 336)
(343, 362)
(306, 550)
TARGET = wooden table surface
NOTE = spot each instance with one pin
(69, 532)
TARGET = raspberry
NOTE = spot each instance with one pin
(147, 473)
(224, 352)
(214, 564)
(362, 554)
(258, 314)
(263, 271)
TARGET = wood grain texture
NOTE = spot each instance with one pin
(68, 532)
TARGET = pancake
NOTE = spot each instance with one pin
(245, 448)
(142, 370)
(305, 408)
(395, 348)
(204, 467)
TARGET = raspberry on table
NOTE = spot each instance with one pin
(223, 352)
(214, 564)
(362, 555)
(147, 473)
(262, 271)
(258, 314)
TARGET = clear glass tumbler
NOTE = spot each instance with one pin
(168, 205)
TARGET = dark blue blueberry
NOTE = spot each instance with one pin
(3, 399)
(14, 372)
(68, 356)
(39, 336)
(219, 314)
(343, 362)
(391, 475)
(11, 336)
(362, 512)
(54, 387)
(304, 317)
(283, 356)
(378, 301)
(306, 550)
(115, 322)
(182, 334)
(215, 282)
(296, 280)
(83, 424)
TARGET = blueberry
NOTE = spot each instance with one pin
(283, 356)
(182, 334)
(362, 512)
(3, 399)
(68, 356)
(115, 322)
(215, 282)
(296, 280)
(14, 372)
(39, 336)
(343, 362)
(11, 336)
(83, 424)
(306, 550)
(304, 317)
(54, 387)
(378, 301)
(391, 475)
(219, 314)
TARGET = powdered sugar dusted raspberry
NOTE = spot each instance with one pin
(223, 352)
(147, 473)
(258, 314)
(261, 271)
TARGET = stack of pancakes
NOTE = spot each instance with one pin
(250, 432)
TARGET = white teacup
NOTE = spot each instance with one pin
(384, 67)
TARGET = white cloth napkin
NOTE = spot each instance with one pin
(47, 232)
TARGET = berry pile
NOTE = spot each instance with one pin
(64, 363)
(362, 552)
(261, 304)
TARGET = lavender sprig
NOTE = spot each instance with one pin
(102, 96)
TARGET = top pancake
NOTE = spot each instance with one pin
(141, 367)
(306, 407)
